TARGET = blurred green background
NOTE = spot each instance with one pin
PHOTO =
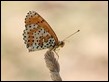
(84, 56)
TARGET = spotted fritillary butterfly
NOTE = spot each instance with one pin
(38, 34)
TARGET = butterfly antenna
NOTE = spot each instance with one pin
(71, 35)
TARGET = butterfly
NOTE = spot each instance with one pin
(39, 35)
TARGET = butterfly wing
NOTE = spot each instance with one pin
(38, 33)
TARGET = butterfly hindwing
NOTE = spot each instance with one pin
(38, 34)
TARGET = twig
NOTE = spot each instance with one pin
(53, 66)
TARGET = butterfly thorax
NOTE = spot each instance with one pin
(60, 44)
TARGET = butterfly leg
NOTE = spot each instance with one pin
(56, 54)
(54, 50)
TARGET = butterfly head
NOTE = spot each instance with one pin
(61, 43)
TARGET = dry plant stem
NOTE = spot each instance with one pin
(53, 65)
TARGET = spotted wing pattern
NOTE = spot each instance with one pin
(38, 34)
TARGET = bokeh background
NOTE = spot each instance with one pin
(84, 56)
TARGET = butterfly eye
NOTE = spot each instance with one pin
(62, 43)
